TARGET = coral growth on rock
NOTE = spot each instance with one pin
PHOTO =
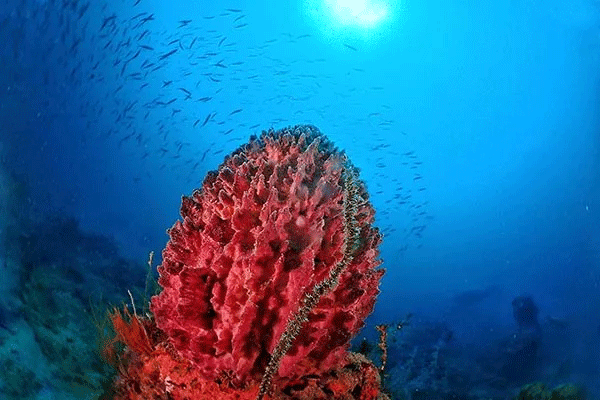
(162, 374)
(283, 221)
(539, 391)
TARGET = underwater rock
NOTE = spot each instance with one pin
(525, 313)
(538, 391)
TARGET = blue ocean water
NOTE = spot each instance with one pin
(475, 125)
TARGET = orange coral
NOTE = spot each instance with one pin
(130, 330)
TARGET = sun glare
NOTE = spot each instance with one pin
(363, 13)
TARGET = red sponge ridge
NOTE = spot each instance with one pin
(260, 233)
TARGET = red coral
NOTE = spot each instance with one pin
(263, 230)
(130, 331)
(163, 375)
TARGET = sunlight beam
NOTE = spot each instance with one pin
(363, 13)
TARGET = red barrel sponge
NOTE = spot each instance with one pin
(260, 234)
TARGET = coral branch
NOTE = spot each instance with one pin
(382, 344)
(130, 330)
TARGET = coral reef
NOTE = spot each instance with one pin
(151, 368)
(538, 391)
(517, 358)
(427, 359)
(418, 361)
(271, 272)
(48, 342)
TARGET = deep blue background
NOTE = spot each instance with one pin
(494, 108)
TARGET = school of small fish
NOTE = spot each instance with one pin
(151, 87)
